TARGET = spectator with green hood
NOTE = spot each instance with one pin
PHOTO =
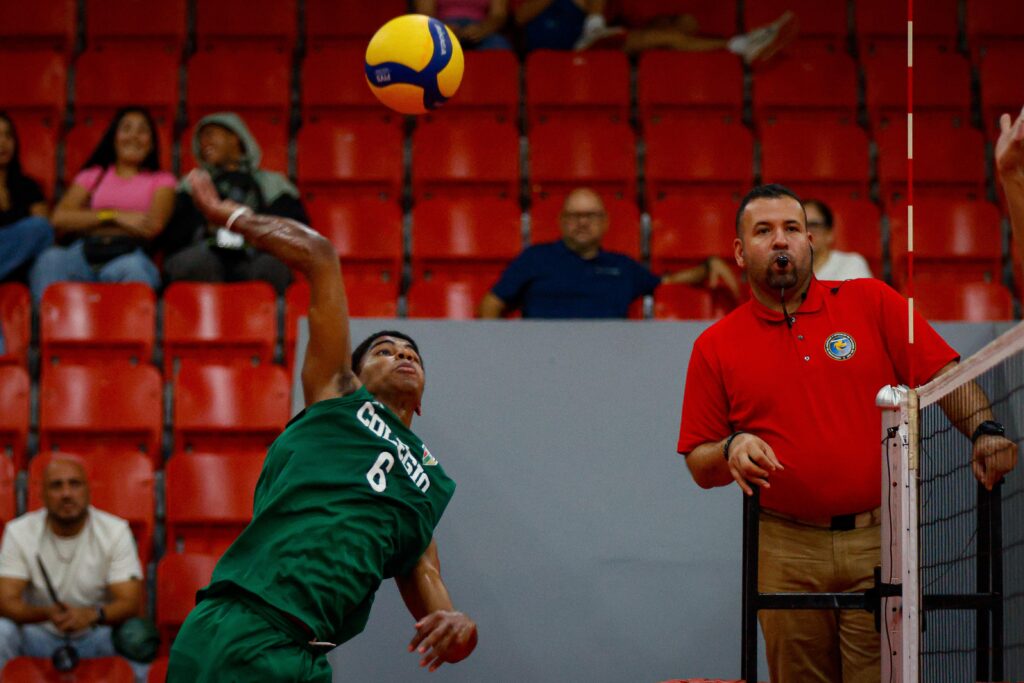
(199, 251)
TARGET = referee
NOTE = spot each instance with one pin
(780, 394)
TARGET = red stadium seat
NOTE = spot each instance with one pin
(178, 577)
(158, 670)
(682, 302)
(685, 230)
(953, 299)
(229, 409)
(565, 85)
(623, 234)
(807, 82)
(120, 482)
(42, 24)
(35, 81)
(671, 82)
(857, 228)
(8, 484)
(951, 236)
(37, 137)
(820, 21)
(1002, 90)
(240, 78)
(271, 135)
(479, 229)
(942, 80)
(40, 670)
(351, 157)
(254, 21)
(355, 22)
(811, 155)
(489, 88)
(948, 157)
(599, 154)
(82, 322)
(84, 409)
(136, 21)
(15, 321)
(334, 86)
(991, 21)
(713, 18)
(108, 77)
(698, 154)
(219, 323)
(14, 413)
(459, 158)
(362, 230)
(209, 499)
(449, 295)
(935, 19)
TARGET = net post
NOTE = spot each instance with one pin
(900, 618)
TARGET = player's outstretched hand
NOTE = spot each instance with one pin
(207, 200)
(444, 636)
(994, 456)
(752, 461)
(1010, 148)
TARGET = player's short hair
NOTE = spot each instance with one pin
(822, 207)
(360, 351)
(769, 191)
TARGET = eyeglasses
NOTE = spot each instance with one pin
(583, 215)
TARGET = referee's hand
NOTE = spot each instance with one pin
(752, 461)
(444, 636)
(994, 456)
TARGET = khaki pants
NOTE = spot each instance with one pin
(829, 646)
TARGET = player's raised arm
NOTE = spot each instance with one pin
(442, 634)
(327, 372)
(1010, 167)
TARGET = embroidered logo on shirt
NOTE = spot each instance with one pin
(840, 346)
(428, 460)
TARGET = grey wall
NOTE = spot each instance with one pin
(576, 537)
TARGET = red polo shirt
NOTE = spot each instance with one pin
(809, 391)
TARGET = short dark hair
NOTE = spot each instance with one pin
(360, 351)
(769, 191)
(822, 207)
(105, 155)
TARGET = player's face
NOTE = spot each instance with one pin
(66, 491)
(6, 143)
(391, 365)
(823, 236)
(218, 146)
(133, 140)
(768, 229)
(583, 221)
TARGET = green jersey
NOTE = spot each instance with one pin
(348, 496)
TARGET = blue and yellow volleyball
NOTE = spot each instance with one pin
(414, 64)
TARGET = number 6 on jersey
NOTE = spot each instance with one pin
(378, 474)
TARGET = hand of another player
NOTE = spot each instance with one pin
(994, 456)
(720, 274)
(206, 199)
(752, 461)
(1009, 152)
(444, 636)
(73, 619)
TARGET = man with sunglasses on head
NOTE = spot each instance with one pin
(575, 278)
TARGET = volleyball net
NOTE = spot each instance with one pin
(953, 551)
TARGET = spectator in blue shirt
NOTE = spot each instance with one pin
(575, 278)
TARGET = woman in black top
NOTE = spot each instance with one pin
(24, 229)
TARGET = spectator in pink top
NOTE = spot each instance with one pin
(115, 206)
(476, 23)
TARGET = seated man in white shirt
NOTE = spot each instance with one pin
(92, 563)
(829, 263)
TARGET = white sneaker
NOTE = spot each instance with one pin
(605, 37)
(763, 43)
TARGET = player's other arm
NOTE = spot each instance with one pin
(1009, 156)
(442, 634)
(327, 371)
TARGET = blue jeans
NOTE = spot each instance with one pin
(58, 264)
(495, 41)
(22, 241)
(32, 640)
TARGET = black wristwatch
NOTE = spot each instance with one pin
(728, 444)
(988, 428)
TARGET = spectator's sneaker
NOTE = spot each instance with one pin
(603, 38)
(763, 43)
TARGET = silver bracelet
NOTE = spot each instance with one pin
(235, 215)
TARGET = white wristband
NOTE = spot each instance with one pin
(236, 214)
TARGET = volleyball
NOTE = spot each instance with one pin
(414, 64)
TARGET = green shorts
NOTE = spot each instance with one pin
(226, 640)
